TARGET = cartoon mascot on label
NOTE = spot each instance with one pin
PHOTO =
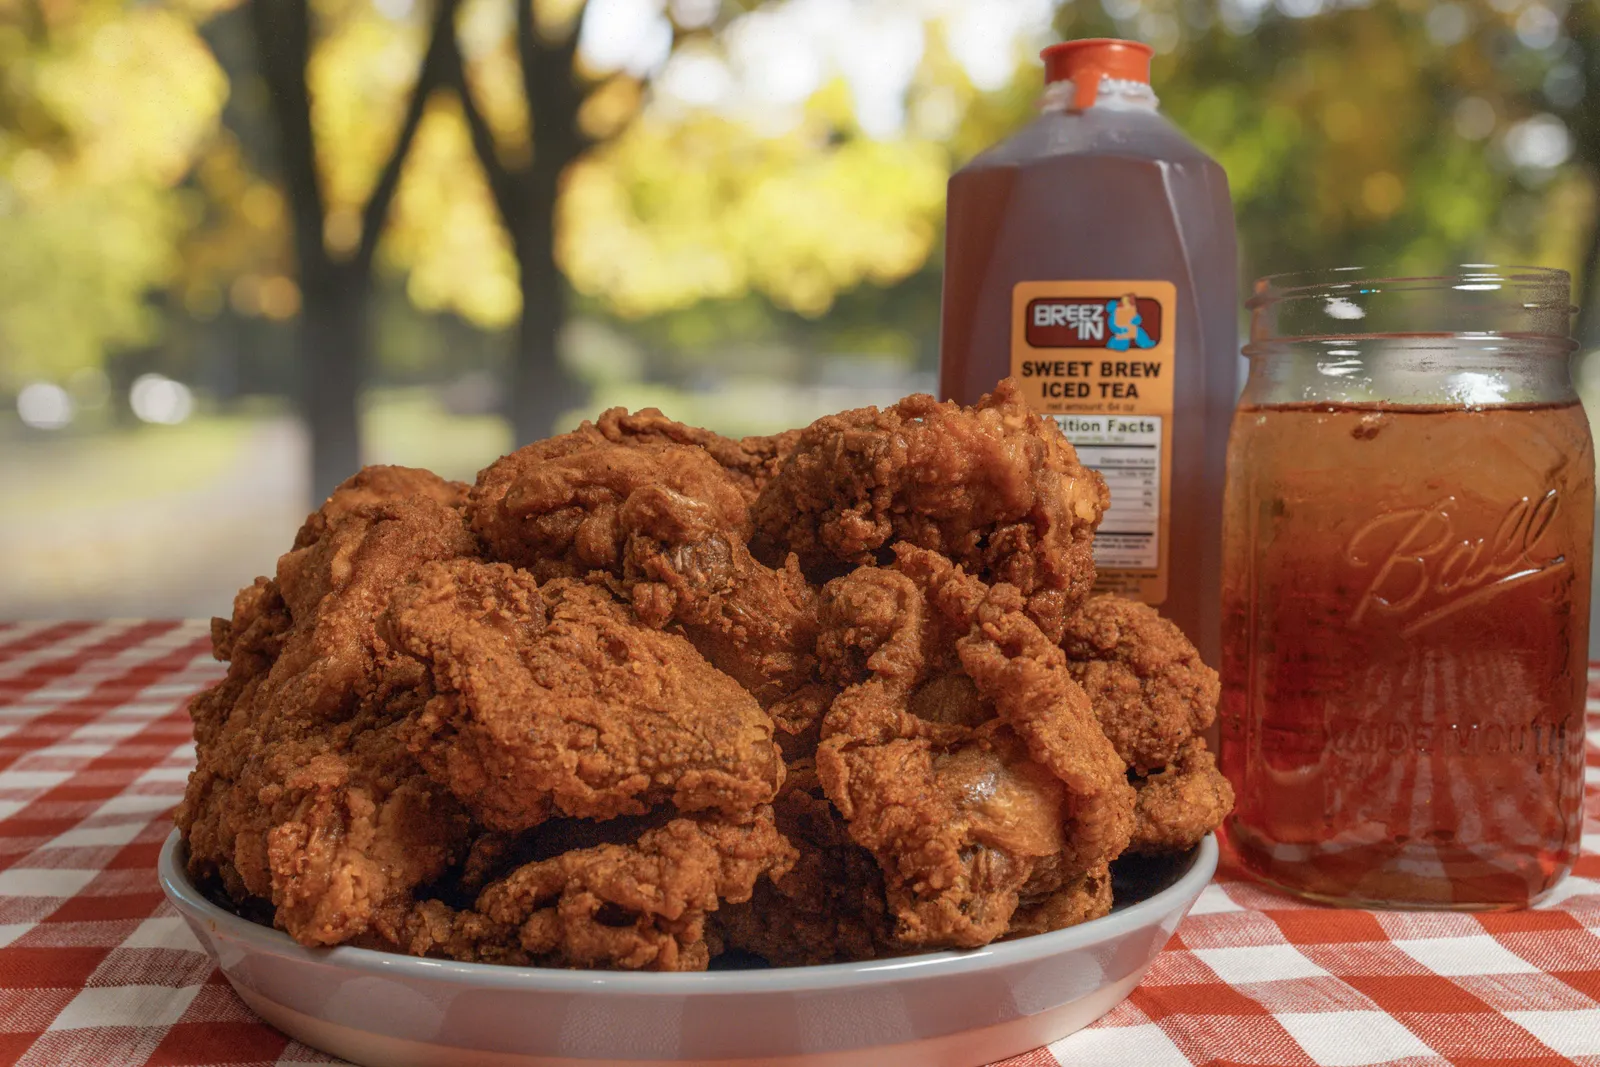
(1125, 325)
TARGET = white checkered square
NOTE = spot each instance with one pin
(1258, 963)
(140, 712)
(1352, 1038)
(1570, 887)
(1453, 956)
(1213, 899)
(13, 778)
(60, 693)
(163, 774)
(74, 751)
(164, 931)
(139, 803)
(1571, 1033)
(95, 836)
(126, 1005)
(1145, 1045)
(43, 882)
(101, 730)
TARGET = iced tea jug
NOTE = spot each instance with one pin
(1092, 256)
(1407, 533)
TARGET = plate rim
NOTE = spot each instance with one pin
(1179, 896)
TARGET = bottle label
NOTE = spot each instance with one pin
(1098, 358)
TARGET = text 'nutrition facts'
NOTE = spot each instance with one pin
(1126, 450)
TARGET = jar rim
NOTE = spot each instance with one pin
(1553, 284)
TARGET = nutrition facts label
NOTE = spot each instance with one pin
(1126, 450)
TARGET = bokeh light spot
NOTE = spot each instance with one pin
(1382, 193)
(44, 406)
(280, 298)
(157, 398)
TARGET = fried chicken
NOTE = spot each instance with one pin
(958, 811)
(668, 526)
(1086, 897)
(993, 487)
(389, 694)
(1148, 686)
(645, 693)
(377, 485)
(306, 796)
(1182, 803)
(829, 907)
(556, 700)
(1153, 696)
(751, 462)
(639, 905)
(555, 507)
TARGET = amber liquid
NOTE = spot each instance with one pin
(1104, 195)
(1406, 603)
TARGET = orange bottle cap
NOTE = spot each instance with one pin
(1085, 62)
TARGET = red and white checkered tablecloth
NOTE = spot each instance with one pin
(97, 969)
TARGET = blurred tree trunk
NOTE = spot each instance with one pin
(334, 345)
(540, 386)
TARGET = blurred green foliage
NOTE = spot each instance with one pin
(141, 223)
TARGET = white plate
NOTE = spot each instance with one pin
(946, 1009)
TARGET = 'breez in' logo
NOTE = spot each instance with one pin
(1114, 322)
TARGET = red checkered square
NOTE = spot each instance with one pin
(242, 1043)
(1330, 926)
(1382, 959)
(30, 1011)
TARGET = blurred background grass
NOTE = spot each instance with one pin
(246, 244)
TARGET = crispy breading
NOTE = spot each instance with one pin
(992, 487)
(1147, 683)
(556, 700)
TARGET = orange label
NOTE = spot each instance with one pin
(1098, 357)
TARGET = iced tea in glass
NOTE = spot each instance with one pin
(1406, 563)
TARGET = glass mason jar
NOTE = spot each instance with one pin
(1406, 554)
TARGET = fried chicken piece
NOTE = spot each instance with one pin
(1149, 688)
(305, 795)
(757, 624)
(640, 905)
(554, 507)
(958, 815)
(1182, 803)
(993, 487)
(1153, 697)
(378, 484)
(751, 462)
(829, 907)
(669, 527)
(556, 700)
(1088, 896)
(1034, 694)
